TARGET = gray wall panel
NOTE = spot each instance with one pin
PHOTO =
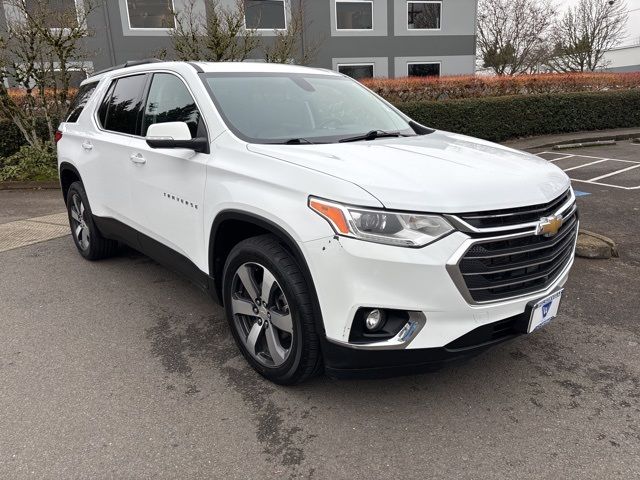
(114, 42)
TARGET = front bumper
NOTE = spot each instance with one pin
(350, 274)
(346, 362)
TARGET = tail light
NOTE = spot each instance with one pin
(57, 136)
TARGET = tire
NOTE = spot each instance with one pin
(282, 356)
(89, 242)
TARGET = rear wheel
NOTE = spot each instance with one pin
(269, 309)
(90, 243)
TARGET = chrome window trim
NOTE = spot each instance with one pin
(466, 227)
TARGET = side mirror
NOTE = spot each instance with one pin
(175, 135)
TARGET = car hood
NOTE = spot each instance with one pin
(439, 172)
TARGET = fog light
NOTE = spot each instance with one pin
(375, 320)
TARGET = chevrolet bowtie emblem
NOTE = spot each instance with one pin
(549, 226)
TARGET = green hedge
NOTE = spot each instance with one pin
(491, 118)
(503, 118)
(10, 138)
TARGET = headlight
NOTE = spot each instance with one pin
(381, 226)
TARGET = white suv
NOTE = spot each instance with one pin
(336, 231)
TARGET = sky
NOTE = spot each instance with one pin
(633, 23)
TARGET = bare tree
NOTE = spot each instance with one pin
(585, 33)
(290, 45)
(513, 34)
(216, 35)
(39, 52)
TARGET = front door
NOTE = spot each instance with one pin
(167, 185)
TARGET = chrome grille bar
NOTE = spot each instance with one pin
(514, 263)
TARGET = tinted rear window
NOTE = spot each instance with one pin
(83, 96)
(121, 107)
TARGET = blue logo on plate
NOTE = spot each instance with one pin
(545, 308)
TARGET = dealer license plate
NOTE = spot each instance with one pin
(545, 310)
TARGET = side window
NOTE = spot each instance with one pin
(104, 106)
(82, 97)
(121, 107)
(170, 101)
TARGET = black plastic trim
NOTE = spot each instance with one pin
(196, 67)
(344, 362)
(289, 242)
(129, 63)
(116, 230)
(66, 166)
(198, 144)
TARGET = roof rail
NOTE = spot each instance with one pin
(130, 63)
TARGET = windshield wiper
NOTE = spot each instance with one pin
(372, 135)
(298, 141)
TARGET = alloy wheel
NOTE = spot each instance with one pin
(79, 226)
(261, 314)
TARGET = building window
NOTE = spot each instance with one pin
(265, 14)
(424, 15)
(150, 14)
(54, 12)
(423, 69)
(356, 15)
(357, 71)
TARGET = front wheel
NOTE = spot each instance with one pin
(269, 309)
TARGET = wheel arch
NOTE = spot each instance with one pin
(68, 174)
(233, 226)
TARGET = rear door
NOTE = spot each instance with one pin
(107, 152)
(167, 186)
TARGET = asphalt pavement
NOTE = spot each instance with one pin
(121, 369)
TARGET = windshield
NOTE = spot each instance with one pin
(300, 108)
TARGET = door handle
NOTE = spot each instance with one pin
(138, 158)
(87, 145)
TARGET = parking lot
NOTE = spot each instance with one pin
(620, 170)
(121, 369)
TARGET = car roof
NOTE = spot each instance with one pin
(208, 67)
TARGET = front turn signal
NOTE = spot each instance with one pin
(332, 213)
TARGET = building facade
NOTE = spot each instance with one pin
(625, 58)
(361, 38)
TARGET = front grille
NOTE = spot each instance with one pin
(496, 269)
(514, 216)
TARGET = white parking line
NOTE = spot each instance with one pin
(595, 179)
(600, 158)
(562, 158)
(604, 184)
(585, 165)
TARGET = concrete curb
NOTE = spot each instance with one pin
(549, 141)
(595, 143)
(594, 245)
(45, 185)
